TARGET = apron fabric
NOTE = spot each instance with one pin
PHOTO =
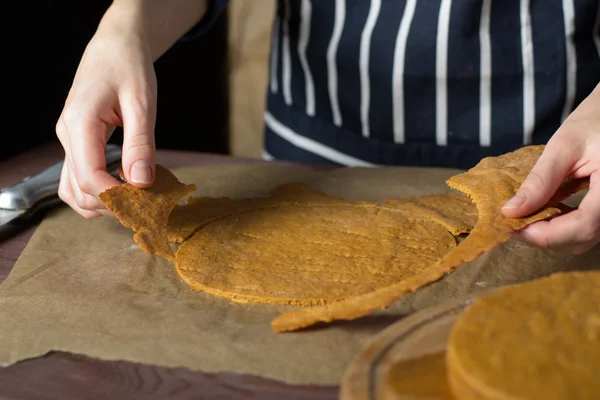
(424, 82)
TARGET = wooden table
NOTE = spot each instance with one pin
(66, 376)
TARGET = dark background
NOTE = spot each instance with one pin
(45, 45)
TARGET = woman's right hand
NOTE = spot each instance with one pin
(115, 85)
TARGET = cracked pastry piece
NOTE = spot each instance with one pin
(490, 184)
(146, 211)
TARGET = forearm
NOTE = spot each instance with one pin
(160, 23)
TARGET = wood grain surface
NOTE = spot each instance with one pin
(67, 376)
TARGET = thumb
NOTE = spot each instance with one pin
(541, 184)
(138, 143)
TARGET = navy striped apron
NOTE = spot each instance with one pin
(427, 82)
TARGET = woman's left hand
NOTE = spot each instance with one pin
(573, 151)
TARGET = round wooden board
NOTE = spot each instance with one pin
(412, 351)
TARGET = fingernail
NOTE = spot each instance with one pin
(516, 201)
(141, 172)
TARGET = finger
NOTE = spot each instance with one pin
(84, 203)
(567, 249)
(87, 148)
(83, 200)
(66, 194)
(65, 191)
(532, 238)
(542, 182)
(61, 134)
(138, 140)
(576, 231)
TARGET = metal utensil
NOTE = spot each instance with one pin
(39, 192)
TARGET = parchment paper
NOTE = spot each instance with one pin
(82, 286)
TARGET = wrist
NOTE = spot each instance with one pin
(124, 17)
(156, 23)
(159, 23)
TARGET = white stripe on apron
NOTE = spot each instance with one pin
(365, 52)
(398, 73)
(340, 16)
(569, 17)
(441, 72)
(286, 62)
(311, 146)
(267, 156)
(304, 36)
(485, 82)
(528, 76)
